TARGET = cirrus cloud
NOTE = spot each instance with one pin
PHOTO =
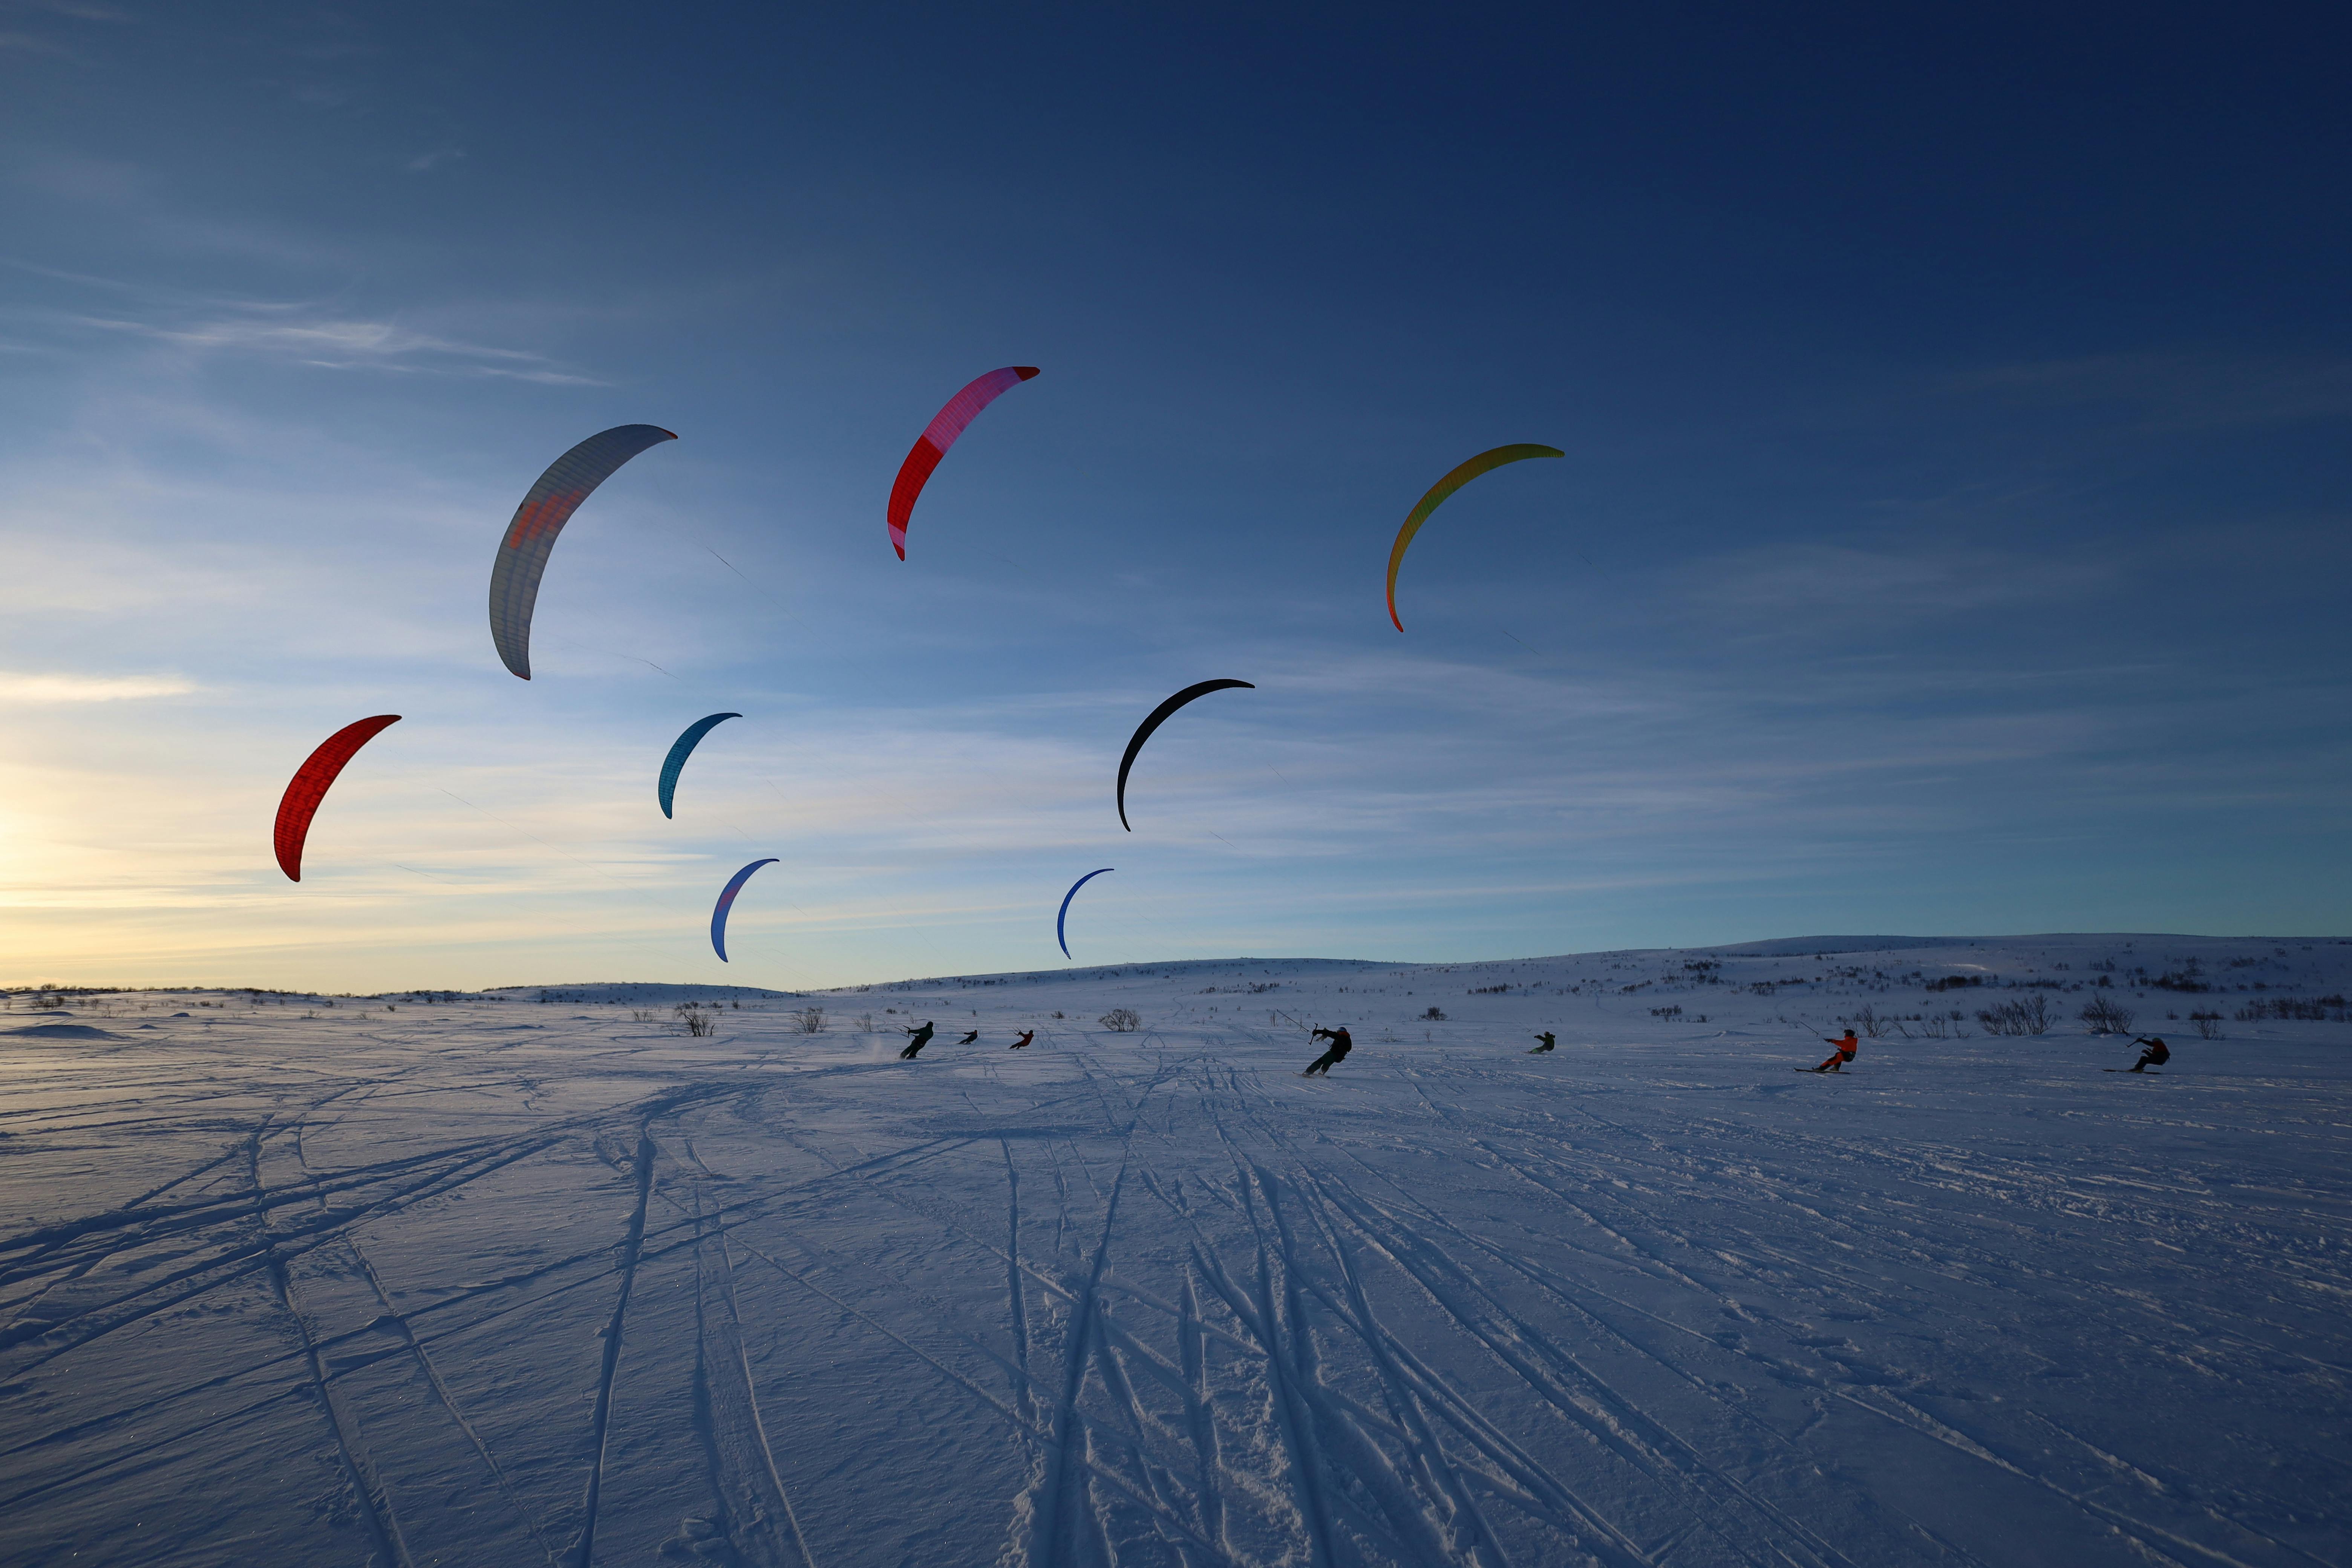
(50, 685)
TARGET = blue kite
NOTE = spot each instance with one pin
(1061, 922)
(726, 902)
(675, 764)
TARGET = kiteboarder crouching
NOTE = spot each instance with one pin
(922, 1037)
(1341, 1045)
(1547, 1044)
(969, 1038)
(1027, 1035)
(2156, 1055)
(1847, 1045)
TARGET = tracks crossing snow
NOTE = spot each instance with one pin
(509, 1297)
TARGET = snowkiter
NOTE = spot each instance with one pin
(1027, 1035)
(922, 1037)
(1547, 1044)
(1341, 1045)
(2157, 1054)
(969, 1038)
(1847, 1045)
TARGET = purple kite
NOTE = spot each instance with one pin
(937, 436)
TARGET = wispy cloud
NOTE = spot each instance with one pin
(333, 343)
(1786, 585)
(27, 685)
(2182, 390)
(312, 331)
(54, 49)
(427, 161)
(80, 11)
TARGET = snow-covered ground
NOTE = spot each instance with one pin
(496, 1281)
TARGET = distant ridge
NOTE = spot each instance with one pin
(1123, 971)
(641, 990)
(659, 992)
(1781, 946)
(1773, 947)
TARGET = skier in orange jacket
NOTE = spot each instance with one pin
(1847, 1045)
(1024, 1041)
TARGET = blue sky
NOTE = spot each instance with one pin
(1951, 535)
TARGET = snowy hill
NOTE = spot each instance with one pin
(534, 1275)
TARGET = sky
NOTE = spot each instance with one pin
(1950, 538)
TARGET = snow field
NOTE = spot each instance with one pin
(500, 1281)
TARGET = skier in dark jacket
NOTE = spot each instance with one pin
(1847, 1045)
(1027, 1035)
(922, 1037)
(1341, 1045)
(969, 1038)
(1547, 1044)
(2157, 1054)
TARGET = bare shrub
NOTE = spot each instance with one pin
(2314, 1009)
(2208, 1025)
(644, 1015)
(2105, 1018)
(1871, 1024)
(1121, 1021)
(2027, 1015)
(866, 1023)
(809, 1021)
(696, 1019)
(1434, 1013)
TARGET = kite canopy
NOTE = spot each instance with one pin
(1485, 462)
(937, 436)
(309, 786)
(1160, 716)
(726, 902)
(681, 749)
(531, 537)
(1061, 921)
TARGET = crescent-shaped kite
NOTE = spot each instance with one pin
(309, 784)
(523, 555)
(939, 435)
(1160, 716)
(1485, 462)
(681, 749)
(726, 902)
(1060, 920)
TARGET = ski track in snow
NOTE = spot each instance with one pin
(436, 1288)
